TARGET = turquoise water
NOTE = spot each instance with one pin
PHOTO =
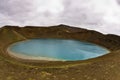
(61, 49)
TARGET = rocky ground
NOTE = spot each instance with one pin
(106, 67)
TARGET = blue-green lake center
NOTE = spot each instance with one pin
(55, 50)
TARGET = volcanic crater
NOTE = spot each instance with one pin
(104, 67)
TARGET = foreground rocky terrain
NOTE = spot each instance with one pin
(106, 67)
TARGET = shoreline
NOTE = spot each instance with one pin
(26, 57)
(35, 58)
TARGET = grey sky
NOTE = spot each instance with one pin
(100, 15)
